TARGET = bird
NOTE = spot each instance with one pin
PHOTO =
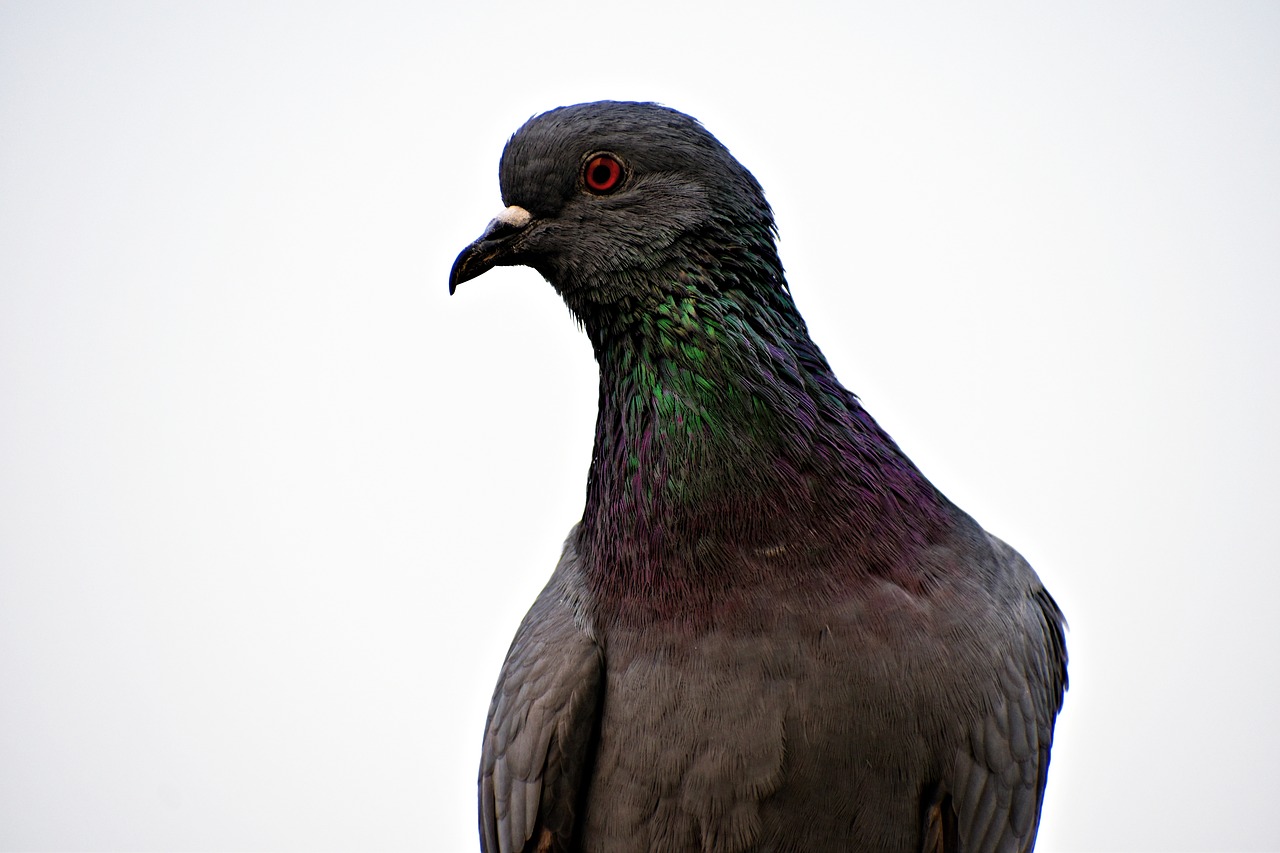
(768, 631)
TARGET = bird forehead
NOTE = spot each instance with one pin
(645, 134)
(542, 163)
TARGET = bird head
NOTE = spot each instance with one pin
(611, 200)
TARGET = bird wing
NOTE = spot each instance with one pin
(998, 783)
(542, 724)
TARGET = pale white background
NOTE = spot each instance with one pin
(272, 504)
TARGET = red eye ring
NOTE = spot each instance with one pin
(602, 174)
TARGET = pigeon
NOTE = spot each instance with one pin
(768, 631)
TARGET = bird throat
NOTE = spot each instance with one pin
(726, 453)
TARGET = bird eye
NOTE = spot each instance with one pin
(602, 174)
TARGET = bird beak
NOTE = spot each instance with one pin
(497, 246)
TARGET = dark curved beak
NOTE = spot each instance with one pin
(499, 245)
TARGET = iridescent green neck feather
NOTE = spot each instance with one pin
(725, 444)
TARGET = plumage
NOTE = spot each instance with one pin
(769, 631)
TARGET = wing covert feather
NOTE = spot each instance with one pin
(542, 725)
(999, 781)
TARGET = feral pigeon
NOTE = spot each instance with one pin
(769, 631)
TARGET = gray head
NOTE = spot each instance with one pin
(612, 199)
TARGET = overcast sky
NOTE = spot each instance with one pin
(272, 504)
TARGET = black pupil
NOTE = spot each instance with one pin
(601, 175)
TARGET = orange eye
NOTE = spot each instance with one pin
(602, 174)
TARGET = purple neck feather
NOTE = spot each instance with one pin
(728, 457)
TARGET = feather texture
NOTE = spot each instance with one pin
(769, 630)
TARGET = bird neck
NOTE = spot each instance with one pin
(723, 438)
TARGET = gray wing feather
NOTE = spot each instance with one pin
(541, 725)
(998, 783)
